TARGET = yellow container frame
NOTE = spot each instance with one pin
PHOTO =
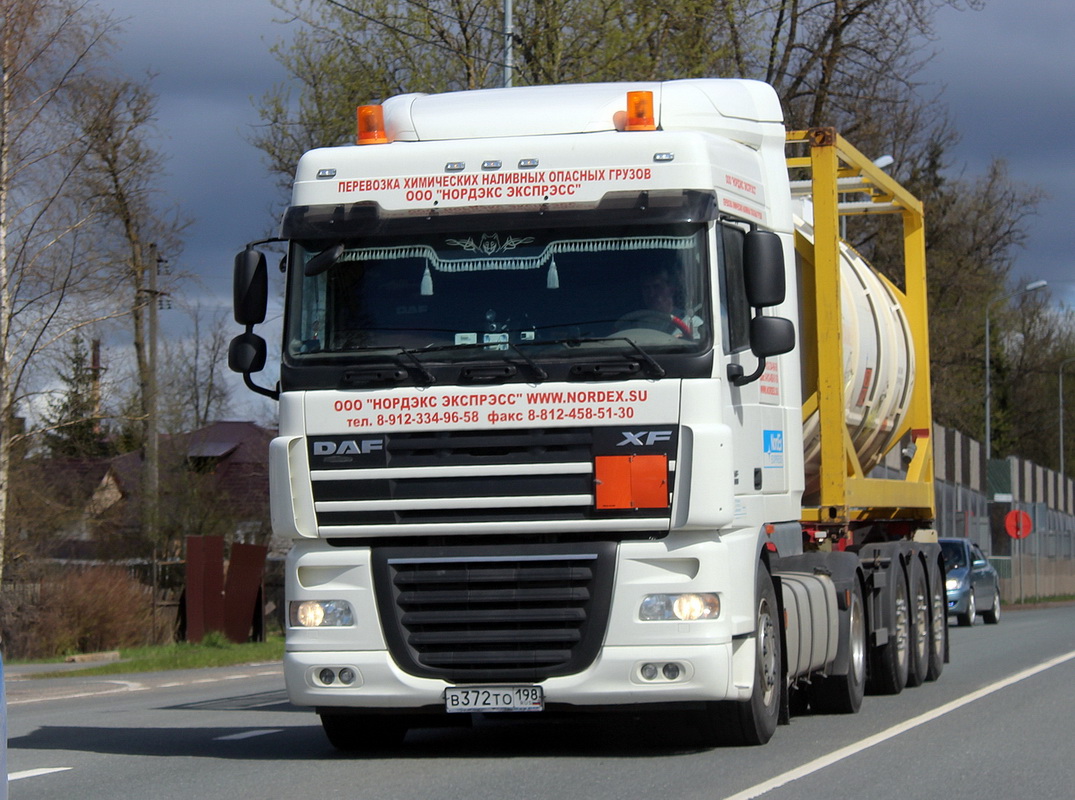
(847, 497)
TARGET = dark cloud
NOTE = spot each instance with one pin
(1007, 76)
(210, 61)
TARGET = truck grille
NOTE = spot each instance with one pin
(407, 481)
(495, 613)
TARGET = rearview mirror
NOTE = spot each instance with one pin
(323, 260)
(247, 353)
(771, 336)
(250, 288)
(763, 268)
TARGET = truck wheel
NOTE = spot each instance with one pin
(967, 619)
(842, 694)
(892, 659)
(938, 629)
(362, 733)
(753, 721)
(992, 616)
(920, 614)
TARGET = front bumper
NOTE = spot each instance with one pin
(958, 600)
(614, 679)
(715, 658)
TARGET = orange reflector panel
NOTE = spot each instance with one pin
(640, 112)
(631, 481)
(371, 125)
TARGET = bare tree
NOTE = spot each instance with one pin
(46, 46)
(114, 119)
(193, 386)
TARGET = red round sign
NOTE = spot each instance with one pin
(1018, 524)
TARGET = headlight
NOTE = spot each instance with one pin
(953, 583)
(686, 607)
(321, 613)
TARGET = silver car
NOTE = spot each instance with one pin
(972, 583)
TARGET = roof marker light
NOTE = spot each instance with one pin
(371, 129)
(640, 112)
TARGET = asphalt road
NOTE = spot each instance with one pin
(998, 723)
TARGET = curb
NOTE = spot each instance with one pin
(92, 658)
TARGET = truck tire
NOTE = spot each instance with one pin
(753, 721)
(842, 694)
(920, 628)
(362, 733)
(992, 616)
(891, 660)
(938, 627)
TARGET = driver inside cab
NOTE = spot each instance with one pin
(659, 296)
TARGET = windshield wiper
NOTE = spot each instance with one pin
(539, 373)
(430, 378)
(655, 369)
(366, 374)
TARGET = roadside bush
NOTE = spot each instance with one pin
(83, 611)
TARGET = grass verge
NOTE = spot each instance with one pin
(213, 651)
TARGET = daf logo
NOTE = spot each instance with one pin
(645, 438)
(348, 448)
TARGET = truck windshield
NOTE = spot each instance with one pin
(459, 295)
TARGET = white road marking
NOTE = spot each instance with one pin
(74, 696)
(234, 737)
(35, 773)
(854, 749)
(130, 686)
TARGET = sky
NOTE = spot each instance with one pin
(1008, 74)
(211, 61)
(1008, 79)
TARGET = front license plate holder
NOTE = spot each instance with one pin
(472, 699)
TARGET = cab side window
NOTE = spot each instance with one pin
(734, 309)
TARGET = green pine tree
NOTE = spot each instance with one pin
(74, 429)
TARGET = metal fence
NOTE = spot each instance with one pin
(973, 500)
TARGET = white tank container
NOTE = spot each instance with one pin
(878, 360)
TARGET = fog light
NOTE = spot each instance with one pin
(347, 676)
(671, 671)
(649, 671)
(326, 676)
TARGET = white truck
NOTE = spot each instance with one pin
(579, 395)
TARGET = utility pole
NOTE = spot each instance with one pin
(151, 466)
(509, 43)
(1063, 482)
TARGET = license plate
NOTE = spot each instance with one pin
(468, 699)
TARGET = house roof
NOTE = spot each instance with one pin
(239, 447)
